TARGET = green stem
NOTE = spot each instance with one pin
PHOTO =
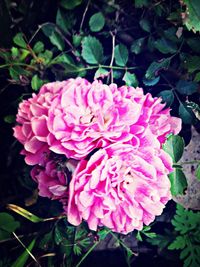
(17, 64)
(87, 253)
(190, 162)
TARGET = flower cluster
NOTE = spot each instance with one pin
(99, 147)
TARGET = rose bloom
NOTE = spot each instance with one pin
(120, 187)
(32, 116)
(53, 178)
(86, 116)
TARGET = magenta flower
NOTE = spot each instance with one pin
(53, 178)
(120, 187)
(86, 116)
(32, 116)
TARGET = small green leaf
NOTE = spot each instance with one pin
(103, 233)
(38, 47)
(167, 97)
(92, 50)
(15, 52)
(19, 40)
(197, 77)
(178, 182)
(174, 146)
(130, 79)
(57, 40)
(155, 67)
(145, 25)
(186, 114)
(137, 45)
(46, 56)
(62, 21)
(121, 55)
(141, 3)
(70, 4)
(151, 82)
(9, 119)
(97, 22)
(192, 16)
(198, 172)
(21, 260)
(194, 44)
(186, 87)
(7, 224)
(178, 243)
(165, 46)
(101, 73)
(77, 38)
(36, 82)
(192, 63)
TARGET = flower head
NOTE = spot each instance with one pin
(120, 187)
(32, 129)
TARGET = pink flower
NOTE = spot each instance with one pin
(53, 178)
(32, 116)
(86, 116)
(120, 187)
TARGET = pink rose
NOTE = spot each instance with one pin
(86, 116)
(53, 178)
(120, 187)
(32, 116)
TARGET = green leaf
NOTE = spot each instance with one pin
(186, 114)
(121, 55)
(178, 243)
(57, 40)
(192, 16)
(103, 233)
(70, 4)
(55, 37)
(7, 225)
(36, 82)
(14, 51)
(77, 38)
(19, 40)
(145, 25)
(186, 87)
(130, 79)
(167, 97)
(9, 119)
(38, 47)
(197, 77)
(178, 182)
(97, 22)
(22, 259)
(92, 50)
(137, 45)
(192, 63)
(28, 215)
(62, 21)
(165, 46)
(174, 146)
(141, 3)
(151, 82)
(197, 173)
(46, 56)
(155, 67)
(101, 73)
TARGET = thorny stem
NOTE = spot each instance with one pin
(17, 64)
(84, 14)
